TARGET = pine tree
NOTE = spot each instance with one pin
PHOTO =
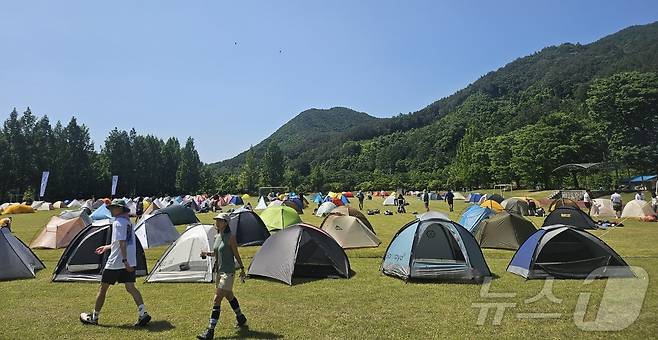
(189, 170)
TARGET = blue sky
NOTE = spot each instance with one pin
(229, 73)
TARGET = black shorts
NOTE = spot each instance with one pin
(112, 276)
(451, 202)
(588, 205)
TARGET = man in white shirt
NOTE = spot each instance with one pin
(617, 203)
(638, 196)
(588, 202)
(120, 265)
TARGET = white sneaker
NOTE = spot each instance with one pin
(88, 319)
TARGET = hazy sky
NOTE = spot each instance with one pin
(229, 73)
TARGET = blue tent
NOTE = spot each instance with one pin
(344, 199)
(298, 202)
(645, 178)
(101, 213)
(474, 215)
(432, 247)
(474, 198)
(236, 200)
(317, 198)
(565, 252)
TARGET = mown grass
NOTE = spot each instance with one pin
(368, 305)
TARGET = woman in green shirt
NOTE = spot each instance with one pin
(225, 251)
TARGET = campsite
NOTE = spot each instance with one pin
(329, 169)
(330, 306)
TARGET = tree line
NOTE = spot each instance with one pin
(146, 165)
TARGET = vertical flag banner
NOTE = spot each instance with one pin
(115, 180)
(44, 183)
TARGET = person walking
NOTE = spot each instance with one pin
(225, 251)
(587, 198)
(401, 204)
(360, 196)
(426, 200)
(450, 198)
(139, 209)
(617, 203)
(120, 265)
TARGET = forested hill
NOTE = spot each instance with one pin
(549, 87)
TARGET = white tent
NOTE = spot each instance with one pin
(325, 208)
(458, 195)
(390, 200)
(17, 261)
(74, 204)
(156, 230)
(262, 205)
(4, 206)
(36, 205)
(182, 262)
(637, 209)
(602, 207)
(45, 206)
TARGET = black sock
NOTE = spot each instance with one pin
(214, 316)
(236, 306)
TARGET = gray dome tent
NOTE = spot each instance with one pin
(79, 262)
(300, 250)
(516, 206)
(179, 214)
(17, 261)
(248, 228)
(434, 248)
(156, 230)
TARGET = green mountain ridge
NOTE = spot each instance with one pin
(521, 93)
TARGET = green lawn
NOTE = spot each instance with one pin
(368, 305)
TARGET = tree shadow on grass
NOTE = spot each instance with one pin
(246, 333)
(153, 326)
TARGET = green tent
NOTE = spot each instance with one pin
(278, 217)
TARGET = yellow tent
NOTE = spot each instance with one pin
(17, 209)
(246, 196)
(493, 205)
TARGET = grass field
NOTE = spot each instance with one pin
(368, 305)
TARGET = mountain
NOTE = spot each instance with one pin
(526, 91)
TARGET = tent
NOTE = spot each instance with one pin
(434, 196)
(637, 209)
(36, 204)
(562, 202)
(245, 197)
(59, 205)
(181, 262)
(493, 205)
(17, 209)
(151, 208)
(602, 207)
(432, 214)
(70, 214)
(156, 230)
(390, 200)
(79, 262)
(248, 228)
(17, 261)
(74, 204)
(300, 250)
(458, 196)
(325, 208)
(44, 206)
(473, 197)
(298, 204)
(101, 213)
(516, 206)
(179, 214)
(261, 204)
(504, 231)
(236, 200)
(292, 205)
(570, 216)
(434, 248)
(496, 198)
(473, 215)
(279, 217)
(349, 232)
(59, 232)
(349, 211)
(564, 252)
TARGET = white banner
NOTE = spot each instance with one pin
(115, 180)
(44, 183)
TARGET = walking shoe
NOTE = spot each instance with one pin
(209, 334)
(88, 319)
(240, 321)
(143, 320)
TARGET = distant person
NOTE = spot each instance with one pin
(588, 202)
(139, 209)
(532, 207)
(225, 252)
(639, 196)
(248, 206)
(120, 265)
(401, 204)
(360, 196)
(654, 202)
(617, 203)
(450, 198)
(426, 199)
